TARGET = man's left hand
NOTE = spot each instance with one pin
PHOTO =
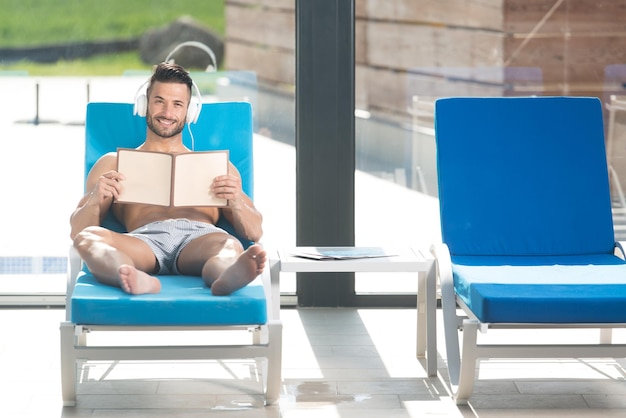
(228, 187)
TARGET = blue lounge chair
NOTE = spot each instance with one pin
(184, 302)
(527, 228)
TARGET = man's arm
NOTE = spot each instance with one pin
(102, 187)
(240, 212)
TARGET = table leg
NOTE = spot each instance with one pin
(426, 318)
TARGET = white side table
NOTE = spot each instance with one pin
(399, 260)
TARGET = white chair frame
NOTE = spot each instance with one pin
(266, 341)
(463, 361)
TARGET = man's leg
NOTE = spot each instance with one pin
(118, 260)
(221, 261)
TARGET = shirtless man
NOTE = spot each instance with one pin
(166, 240)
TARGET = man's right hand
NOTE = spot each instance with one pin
(108, 186)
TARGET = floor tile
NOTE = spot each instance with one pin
(376, 376)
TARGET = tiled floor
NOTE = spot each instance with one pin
(338, 363)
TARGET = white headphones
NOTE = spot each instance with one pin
(193, 111)
(195, 104)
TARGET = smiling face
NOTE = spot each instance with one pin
(167, 108)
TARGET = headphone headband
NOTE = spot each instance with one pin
(199, 45)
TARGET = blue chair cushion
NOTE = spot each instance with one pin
(523, 176)
(183, 301)
(556, 289)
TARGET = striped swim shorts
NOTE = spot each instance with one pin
(168, 238)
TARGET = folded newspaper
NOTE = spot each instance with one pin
(340, 253)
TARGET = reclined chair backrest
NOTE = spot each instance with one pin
(561, 208)
(222, 125)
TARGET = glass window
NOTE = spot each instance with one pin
(408, 56)
(56, 56)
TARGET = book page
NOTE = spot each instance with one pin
(148, 176)
(193, 175)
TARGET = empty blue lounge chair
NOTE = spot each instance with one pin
(527, 228)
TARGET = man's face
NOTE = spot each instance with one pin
(167, 108)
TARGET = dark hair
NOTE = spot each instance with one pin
(170, 73)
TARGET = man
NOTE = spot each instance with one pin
(166, 240)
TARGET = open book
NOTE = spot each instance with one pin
(163, 179)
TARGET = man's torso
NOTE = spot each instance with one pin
(133, 216)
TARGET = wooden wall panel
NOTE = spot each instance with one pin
(360, 8)
(275, 66)
(484, 14)
(392, 91)
(448, 47)
(361, 89)
(594, 16)
(360, 42)
(275, 4)
(574, 59)
(587, 57)
(431, 48)
(266, 27)
(522, 16)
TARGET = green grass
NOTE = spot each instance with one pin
(26, 23)
(102, 65)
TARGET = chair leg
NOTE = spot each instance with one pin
(448, 308)
(427, 320)
(274, 365)
(431, 321)
(468, 362)
(422, 317)
(68, 364)
(451, 330)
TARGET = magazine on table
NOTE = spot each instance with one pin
(340, 253)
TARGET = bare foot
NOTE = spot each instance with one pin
(246, 268)
(137, 282)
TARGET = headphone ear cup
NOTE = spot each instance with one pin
(141, 105)
(193, 111)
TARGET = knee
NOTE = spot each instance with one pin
(233, 244)
(227, 246)
(85, 239)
